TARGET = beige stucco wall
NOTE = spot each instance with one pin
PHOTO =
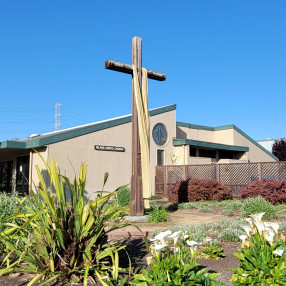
(255, 154)
(70, 153)
(226, 136)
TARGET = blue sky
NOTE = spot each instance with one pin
(225, 62)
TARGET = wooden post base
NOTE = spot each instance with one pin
(136, 200)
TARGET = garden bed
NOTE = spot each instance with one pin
(137, 252)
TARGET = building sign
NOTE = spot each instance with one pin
(109, 148)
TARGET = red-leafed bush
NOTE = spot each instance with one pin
(179, 192)
(271, 190)
(208, 190)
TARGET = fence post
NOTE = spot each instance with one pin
(218, 172)
(165, 180)
(260, 171)
(186, 172)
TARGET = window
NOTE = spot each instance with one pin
(22, 175)
(6, 170)
(192, 151)
(208, 153)
(160, 157)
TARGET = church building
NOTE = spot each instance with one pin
(106, 146)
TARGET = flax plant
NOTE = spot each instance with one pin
(60, 239)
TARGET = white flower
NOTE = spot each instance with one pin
(278, 252)
(243, 238)
(257, 217)
(175, 236)
(244, 275)
(249, 220)
(274, 226)
(269, 235)
(247, 229)
(260, 226)
(159, 247)
(208, 239)
(193, 244)
(160, 237)
(185, 236)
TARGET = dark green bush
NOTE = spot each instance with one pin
(158, 214)
(123, 197)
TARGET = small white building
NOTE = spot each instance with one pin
(106, 147)
(267, 144)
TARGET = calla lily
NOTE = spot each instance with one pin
(260, 226)
(159, 247)
(249, 220)
(244, 275)
(247, 229)
(207, 240)
(269, 235)
(274, 226)
(185, 236)
(243, 238)
(257, 217)
(175, 236)
(278, 252)
(160, 237)
(193, 244)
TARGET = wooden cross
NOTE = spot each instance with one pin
(136, 202)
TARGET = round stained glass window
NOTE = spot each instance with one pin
(160, 134)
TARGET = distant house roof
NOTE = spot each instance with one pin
(65, 134)
(224, 127)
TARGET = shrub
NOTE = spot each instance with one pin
(258, 205)
(227, 212)
(59, 239)
(207, 189)
(179, 192)
(204, 209)
(272, 190)
(123, 197)
(158, 214)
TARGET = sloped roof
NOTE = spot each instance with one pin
(65, 134)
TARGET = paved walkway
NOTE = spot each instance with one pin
(179, 217)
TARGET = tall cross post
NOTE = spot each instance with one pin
(136, 202)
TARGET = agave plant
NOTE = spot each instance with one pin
(59, 238)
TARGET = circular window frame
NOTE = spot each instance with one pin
(167, 134)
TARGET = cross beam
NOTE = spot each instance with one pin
(136, 202)
(125, 68)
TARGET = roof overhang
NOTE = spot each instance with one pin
(210, 145)
(61, 135)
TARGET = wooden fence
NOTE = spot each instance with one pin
(234, 175)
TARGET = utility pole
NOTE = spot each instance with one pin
(57, 116)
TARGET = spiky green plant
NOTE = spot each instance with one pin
(60, 239)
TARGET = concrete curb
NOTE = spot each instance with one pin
(118, 233)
